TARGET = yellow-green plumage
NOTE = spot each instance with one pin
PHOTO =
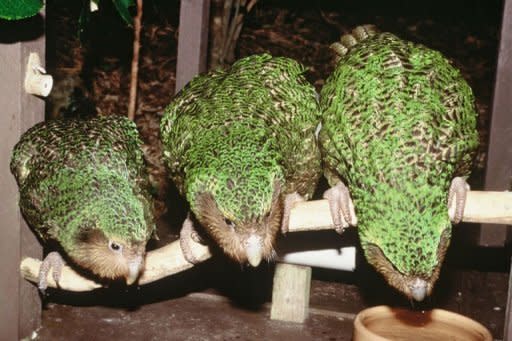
(399, 123)
(245, 138)
(83, 184)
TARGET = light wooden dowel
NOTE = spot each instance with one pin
(481, 207)
(290, 293)
(160, 263)
(488, 207)
(69, 278)
(169, 260)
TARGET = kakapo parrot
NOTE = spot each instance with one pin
(83, 187)
(398, 138)
(240, 145)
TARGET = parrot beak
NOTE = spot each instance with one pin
(134, 269)
(418, 289)
(254, 250)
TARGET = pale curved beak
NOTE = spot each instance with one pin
(254, 250)
(418, 289)
(134, 269)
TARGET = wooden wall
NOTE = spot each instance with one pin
(20, 306)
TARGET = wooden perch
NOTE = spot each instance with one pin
(481, 207)
(488, 207)
(160, 263)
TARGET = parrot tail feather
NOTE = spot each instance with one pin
(348, 41)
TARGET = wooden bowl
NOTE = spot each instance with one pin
(385, 323)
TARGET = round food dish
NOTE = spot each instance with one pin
(386, 323)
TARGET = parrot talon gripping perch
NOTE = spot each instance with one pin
(189, 235)
(341, 207)
(289, 201)
(457, 199)
(54, 262)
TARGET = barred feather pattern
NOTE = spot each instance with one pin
(241, 133)
(77, 176)
(399, 123)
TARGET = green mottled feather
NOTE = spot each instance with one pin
(235, 132)
(78, 175)
(399, 124)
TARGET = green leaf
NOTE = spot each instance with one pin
(19, 9)
(122, 9)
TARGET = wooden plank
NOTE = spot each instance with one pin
(192, 40)
(290, 293)
(499, 159)
(507, 333)
(20, 306)
(32, 112)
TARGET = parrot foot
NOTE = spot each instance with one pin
(189, 235)
(341, 206)
(290, 200)
(52, 261)
(457, 193)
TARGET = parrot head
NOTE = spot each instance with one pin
(110, 232)
(110, 257)
(242, 219)
(405, 233)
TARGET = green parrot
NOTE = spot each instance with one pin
(398, 139)
(83, 187)
(240, 145)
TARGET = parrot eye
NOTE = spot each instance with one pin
(229, 223)
(114, 246)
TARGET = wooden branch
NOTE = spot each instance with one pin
(310, 216)
(481, 207)
(69, 279)
(137, 24)
(169, 260)
(160, 263)
(488, 207)
(492, 207)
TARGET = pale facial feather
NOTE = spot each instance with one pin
(232, 239)
(95, 253)
(396, 279)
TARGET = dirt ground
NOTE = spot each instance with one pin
(218, 300)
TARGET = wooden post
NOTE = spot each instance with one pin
(290, 293)
(192, 40)
(507, 333)
(499, 158)
(20, 306)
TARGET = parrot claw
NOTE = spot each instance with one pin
(458, 191)
(341, 207)
(52, 261)
(189, 235)
(289, 201)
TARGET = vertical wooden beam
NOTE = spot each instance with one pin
(20, 306)
(507, 333)
(290, 293)
(192, 40)
(499, 158)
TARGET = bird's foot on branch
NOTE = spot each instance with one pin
(289, 201)
(457, 199)
(189, 235)
(341, 207)
(54, 262)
